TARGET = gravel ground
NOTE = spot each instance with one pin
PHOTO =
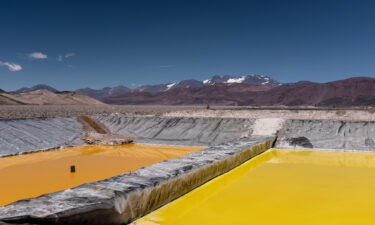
(34, 111)
(302, 114)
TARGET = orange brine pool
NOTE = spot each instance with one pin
(35, 174)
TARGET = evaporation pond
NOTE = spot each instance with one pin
(35, 174)
(287, 187)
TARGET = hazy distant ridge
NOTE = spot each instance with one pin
(229, 90)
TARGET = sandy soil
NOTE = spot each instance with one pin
(35, 111)
(45, 97)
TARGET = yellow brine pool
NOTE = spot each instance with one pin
(288, 187)
(31, 175)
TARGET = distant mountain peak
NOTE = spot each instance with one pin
(36, 88)
(358, 91)
(169, 86)
(254, 79)
(104, 92)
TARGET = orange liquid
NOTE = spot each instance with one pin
(35, 174)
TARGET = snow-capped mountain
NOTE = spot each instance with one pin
(217, 79)
(169, 86)
(153, 88)
(357, 91)
(100, 94)
(248, 79)
(187, 84)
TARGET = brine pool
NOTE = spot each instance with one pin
(281, 186)
(35, 174)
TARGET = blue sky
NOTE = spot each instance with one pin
(106, 43)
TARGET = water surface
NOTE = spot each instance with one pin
(34, 174)
(288, 187)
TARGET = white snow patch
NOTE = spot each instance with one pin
(169, 86)
(236, 80)
(206, 81)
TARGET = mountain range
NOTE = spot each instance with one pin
(217, 79)
(359, 91)
(242, 90)
(107, 92)
(191, 83)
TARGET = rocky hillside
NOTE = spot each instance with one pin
(358, 91)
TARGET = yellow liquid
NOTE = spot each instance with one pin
(35, 174)
(287, 187)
